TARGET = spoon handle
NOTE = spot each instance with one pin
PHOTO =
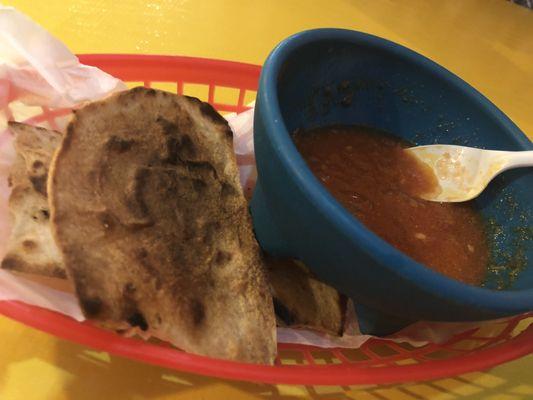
(520, 159)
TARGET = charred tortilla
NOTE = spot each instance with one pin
(302, 301)
(149, 214)
(31, 247)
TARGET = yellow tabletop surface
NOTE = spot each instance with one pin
(489, 43)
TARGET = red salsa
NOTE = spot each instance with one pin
(369, 173)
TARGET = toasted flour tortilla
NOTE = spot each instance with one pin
(148, 212)
(31, 247)
(302, 301)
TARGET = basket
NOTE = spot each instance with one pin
(376, 362)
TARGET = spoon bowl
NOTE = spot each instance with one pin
(464, 172)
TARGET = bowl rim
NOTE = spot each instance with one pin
(503, 301)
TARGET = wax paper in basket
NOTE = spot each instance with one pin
(38, 70)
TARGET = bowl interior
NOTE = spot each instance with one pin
(369, 81)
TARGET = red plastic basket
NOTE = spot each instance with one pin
(377, 361)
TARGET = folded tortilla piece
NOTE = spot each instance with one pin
(149, 214)
(31, 247)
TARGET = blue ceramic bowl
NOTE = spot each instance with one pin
(327, 76)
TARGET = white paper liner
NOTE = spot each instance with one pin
(38, 69)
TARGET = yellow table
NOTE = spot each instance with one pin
(486, 42)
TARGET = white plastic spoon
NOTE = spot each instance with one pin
(463, 172)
